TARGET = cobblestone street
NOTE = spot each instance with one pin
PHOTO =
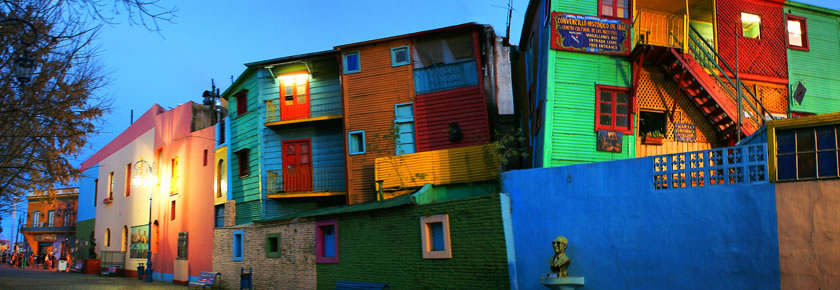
(16, 278)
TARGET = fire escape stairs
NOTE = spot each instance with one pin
(703, 86)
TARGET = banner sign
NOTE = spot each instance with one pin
(138, 246)
(590, 34)
(685, 132)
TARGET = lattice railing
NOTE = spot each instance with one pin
(728, 165)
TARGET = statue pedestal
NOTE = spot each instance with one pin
(562, 283)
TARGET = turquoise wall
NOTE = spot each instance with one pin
(819, 68)
(623, 234)
(244, 135)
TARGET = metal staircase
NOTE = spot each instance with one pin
(707, 80)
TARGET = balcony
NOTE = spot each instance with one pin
(305, 181)
(443, 77)
(659, 28)
(448, 166)
(319, 110)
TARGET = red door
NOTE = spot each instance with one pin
(294, 97)
(297, 166)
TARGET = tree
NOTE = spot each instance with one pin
(45, 122)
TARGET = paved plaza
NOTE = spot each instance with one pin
(16, 278)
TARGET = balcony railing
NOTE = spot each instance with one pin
(659, 28)
(445, 77)
(305, 179)
(317, 108)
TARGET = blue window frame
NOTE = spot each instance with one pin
(238, 237)
(400, 56)
(351, 62)
(808, 153)
(356, 142)
(404, 128)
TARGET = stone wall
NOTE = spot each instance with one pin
(294, 269)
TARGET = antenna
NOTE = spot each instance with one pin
(509, 8)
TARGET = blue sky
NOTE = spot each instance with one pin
(213, 39)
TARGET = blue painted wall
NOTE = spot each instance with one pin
(87, 190)
(625, 235)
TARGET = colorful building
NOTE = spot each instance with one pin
(425, 91)
(176, 208)
(812, 38)
(50, 224)
(607, 80)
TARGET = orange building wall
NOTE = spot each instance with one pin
(809, 249)
(44, 205)
(369, 98)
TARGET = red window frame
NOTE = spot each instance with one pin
(244, 163)
(804, 22)
(172, 216)
(319, 242)
(613, 102)
(241, 103)
(627, 8)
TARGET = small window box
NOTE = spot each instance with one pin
(649, 140)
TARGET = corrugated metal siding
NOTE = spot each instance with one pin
(819, 68)
(275, 208)
(327, 151)
(583, 7)
(772, 60)
(369, 98)
(571, 96)
(434, 112)
(248, 211)
(324, 87)
(243, 134)
(458, 165)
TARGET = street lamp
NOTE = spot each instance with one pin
(24, 66)
(146, 168)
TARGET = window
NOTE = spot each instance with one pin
(807, 153)
(221, 135)
(612, 109)
(221, 178)
(51, 218)
(797, 32)
(36, 219)
(66, 220)
(128, 180)
(356, 142)
(174, 175)
(107, 237)
(650, 122)
(351, 62)
(434, 234)
(111, 185)
(241, 103)
(182, 245)
(95, 191)
(399, 56)
(751, 25)
(124, 239)
(326, 241)
(614, 8)
(220, 215)
(156, 237)
(238, 236)
(204, 163)
(272, 245)
(242, 156)
(172, 212)
(404, 128)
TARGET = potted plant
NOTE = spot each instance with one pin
(653, 138)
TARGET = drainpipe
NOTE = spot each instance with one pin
(738, 86)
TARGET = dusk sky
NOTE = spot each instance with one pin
(213, 39)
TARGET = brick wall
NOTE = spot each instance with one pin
(294, 269)
(384, 246)
(230, 213)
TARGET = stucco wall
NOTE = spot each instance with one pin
(624, 234)
(809, 251)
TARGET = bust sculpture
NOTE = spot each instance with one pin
(560, 262)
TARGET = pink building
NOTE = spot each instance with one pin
(179, 143)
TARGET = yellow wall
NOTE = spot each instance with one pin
(458, 165)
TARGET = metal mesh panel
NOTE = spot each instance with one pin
(766, 56)
(656, 93)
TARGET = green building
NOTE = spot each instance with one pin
(813, 57)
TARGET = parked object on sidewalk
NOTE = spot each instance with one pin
(92, 266)
(360, 285)
(208, 279)
(245, 278)
(78, 267)
(141, 271)
(62, 265)
(113, 270)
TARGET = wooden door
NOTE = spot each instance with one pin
(294, 98)
(297, 166)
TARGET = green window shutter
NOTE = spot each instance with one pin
(272, 245)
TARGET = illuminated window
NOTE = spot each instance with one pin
(51, 218)
(174, 176)
(807, 153)
(107, 237)
(751, 25)
(36, 219)
(128, 180)
(326, 241)
(111, 185)
(221, 178)
(614, 8)
(294, 96)
(172, 212)
(399, 56)
(351, 62)
(434, 234)
(797, 33)
(613, 110)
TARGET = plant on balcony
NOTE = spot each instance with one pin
(653, 138)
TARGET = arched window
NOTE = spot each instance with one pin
(221, 180)
(107, 237)
(124, 241)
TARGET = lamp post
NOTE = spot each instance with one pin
(144, 167)
(24, 66)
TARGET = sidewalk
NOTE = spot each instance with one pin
(16, 278)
